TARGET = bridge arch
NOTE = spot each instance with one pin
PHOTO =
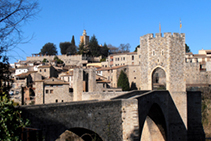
(154, 127)
(158, 78)
(80, 134)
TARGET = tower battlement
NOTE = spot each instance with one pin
(166, 35)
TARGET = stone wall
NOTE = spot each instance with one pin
(68, 60)
(134, 75)
(194, 75)
(54, 119)
(100, 95)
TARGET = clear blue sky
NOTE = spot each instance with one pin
(115, 22)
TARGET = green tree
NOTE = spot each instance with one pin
(48, 49)
(123, 81)
(94, 48)
(67, 48)
(104, 51)
(59, 61)
(187, 49)
(138, 46)
(82, 49)
(73, 41)
(11, 121)
(44, 60)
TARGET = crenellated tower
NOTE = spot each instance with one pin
(165, 53)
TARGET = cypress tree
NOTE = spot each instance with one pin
(123, 81)
(73, 41)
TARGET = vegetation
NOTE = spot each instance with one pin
(187, 48)
(44, 60)
(94, 49)
(11, 121)
(123, 81)
(124, 48)
(49, 49)
(59, 61)
(68, 48)
(138, 46)
(13, 14)
(104, 51)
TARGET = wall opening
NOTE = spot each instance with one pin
(154, 128)
(79, 134)
(158, 79)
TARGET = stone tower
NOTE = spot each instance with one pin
(84, 38)
(166, 53)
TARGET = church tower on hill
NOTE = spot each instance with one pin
(84, 38)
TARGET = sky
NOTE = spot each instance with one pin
(115, 22)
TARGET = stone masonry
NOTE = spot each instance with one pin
(167, 53)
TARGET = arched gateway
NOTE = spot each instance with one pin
(163, 65)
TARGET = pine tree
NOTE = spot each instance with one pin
(94, 47)
(123, 81)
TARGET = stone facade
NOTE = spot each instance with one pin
(167, 53)
(52, 90)
(47, 71)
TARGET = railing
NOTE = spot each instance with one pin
(31, 134)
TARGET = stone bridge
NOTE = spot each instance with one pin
(135, 116)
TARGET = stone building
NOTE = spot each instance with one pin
(47, 71)
(52, 90)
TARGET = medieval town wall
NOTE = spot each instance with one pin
(194, 75)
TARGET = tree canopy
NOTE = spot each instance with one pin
(59, 61)
(124, 48)
(49, 49)
(94, 48)
(104, 50)
(187, 48)
(68, 48)
(123, 81)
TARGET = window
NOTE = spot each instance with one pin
(123, 58)
(134, 77)
(51, 91)
(46, 91)
(62, 100)
(56, 100)
(161, 52)
(40, 70)
(153, 53)
(44, 70)
(132, 57)
(139, 56)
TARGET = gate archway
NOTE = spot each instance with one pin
(158, 79)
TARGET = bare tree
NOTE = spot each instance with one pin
(13, 13)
